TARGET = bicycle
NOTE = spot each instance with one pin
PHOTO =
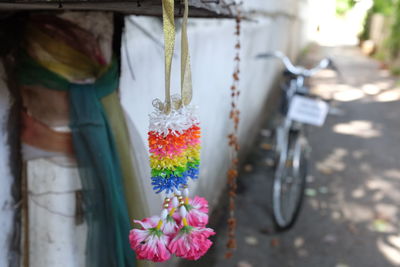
(291, 148)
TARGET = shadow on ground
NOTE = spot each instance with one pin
(351, 214)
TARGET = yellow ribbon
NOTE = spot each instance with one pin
(169, 40)
(186, 75)
(169, 43)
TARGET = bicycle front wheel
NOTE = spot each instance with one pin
(289, 182)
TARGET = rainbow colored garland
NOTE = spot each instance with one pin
(174, 144)
(180, 229)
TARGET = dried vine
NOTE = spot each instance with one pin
(232, 173)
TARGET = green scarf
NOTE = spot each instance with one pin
(98, 161)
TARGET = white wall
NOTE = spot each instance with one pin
(212, 51)
(55, 239)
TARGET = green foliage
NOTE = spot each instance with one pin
(364, 35)
(395, 71)
(389, 49)
(380, 56)
(342, 6)
(394, 38)
(384, 7)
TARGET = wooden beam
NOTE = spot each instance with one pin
(199, 8)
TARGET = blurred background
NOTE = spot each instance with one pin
(350, 215)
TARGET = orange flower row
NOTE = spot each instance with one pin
(173, 144)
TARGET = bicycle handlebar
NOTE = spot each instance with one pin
(298, 70)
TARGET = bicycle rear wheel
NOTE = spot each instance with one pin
(289, 182)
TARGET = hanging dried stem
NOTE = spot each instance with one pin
(232, 173)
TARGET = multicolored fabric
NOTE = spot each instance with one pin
(36, 133)
(56, 56)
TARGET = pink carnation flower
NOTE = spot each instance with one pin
(150, 243)
(197, 212)
(170, 227)
(147, 223)
(191, 242)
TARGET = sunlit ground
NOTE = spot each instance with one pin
(368, 203)
(351, 213)
(383, 89)
(351, 216)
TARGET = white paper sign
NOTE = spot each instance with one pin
(308, 110)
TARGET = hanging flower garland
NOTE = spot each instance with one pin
(174, 145)
(234, 145)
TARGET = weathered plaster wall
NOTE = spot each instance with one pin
(6, 203)
(273, 25)
(55, 237)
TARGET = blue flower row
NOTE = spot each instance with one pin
(168, 184)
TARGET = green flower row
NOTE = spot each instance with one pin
(178, 171)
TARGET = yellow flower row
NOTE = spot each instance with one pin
(190, 154)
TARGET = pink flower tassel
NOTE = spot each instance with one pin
(150, 242)
(191, 242)
(179, 230)
(197, 211)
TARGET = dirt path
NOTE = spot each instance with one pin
(351, 214)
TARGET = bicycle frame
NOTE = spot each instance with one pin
(291, 146)
(284, 129)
